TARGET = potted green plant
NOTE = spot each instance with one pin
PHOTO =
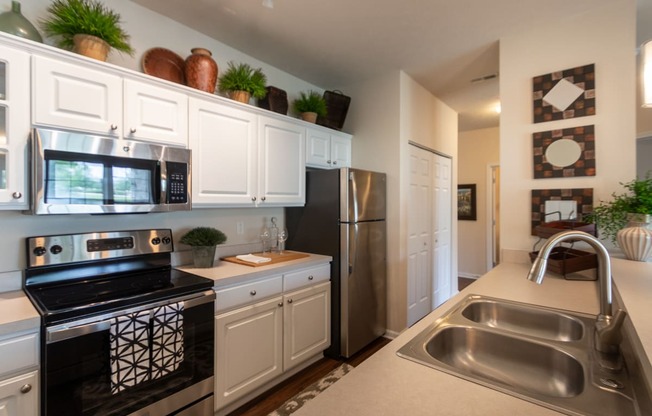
(87, 27)
(241, 81)
(632, 208)
(203, 241)
(310, 105)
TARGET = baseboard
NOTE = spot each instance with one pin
(390, 334)
(468, 275)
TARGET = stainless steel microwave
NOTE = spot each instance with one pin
(77, 173)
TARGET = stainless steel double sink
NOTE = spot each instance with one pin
(542, 355)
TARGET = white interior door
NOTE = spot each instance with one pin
(442, 234)
(419, 235)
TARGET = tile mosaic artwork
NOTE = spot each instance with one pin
(564, 153)
(583, 197)
(564, 94)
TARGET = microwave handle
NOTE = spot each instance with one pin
(72, 330)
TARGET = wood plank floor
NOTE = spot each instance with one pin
(276, 396)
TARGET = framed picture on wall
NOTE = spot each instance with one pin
(466, 202)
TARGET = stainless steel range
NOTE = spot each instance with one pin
(123, 332)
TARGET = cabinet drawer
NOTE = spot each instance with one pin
(24, 353)
(247, 293)
(306, 277)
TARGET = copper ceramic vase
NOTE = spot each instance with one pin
(201, 70)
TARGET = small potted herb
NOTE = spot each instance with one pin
(310, 105)
(203, 241)
(241, 81)
(87, 27)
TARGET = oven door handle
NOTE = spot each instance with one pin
(103, 323)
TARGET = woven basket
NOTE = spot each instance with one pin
(337, 105)
(276, 100)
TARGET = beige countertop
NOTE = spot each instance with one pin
(225, 273)
(17, 314)
(386, 384)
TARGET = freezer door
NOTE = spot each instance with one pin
(363, 195)
(363, 285)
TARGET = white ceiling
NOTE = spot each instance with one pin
(442, 44)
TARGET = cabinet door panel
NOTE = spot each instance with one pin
(318, 148)
(340, 152)
(14, 127)
(224, 154)
(13, 401)
(76, 97)
(306, 324)
(155, 114)
(282, 163)
(248, 349)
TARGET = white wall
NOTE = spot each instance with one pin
(148, 30)
(478, 149)
(604, 36)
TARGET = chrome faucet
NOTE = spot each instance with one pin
(607, 327)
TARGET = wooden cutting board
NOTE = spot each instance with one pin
(276, 258)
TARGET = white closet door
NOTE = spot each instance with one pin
(419, 235)
(442, 234)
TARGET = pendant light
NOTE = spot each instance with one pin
(646, 57)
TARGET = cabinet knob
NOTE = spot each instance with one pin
(334, 162)
(280, 304)
(252, 293)
(26, 388)
(17, 195)
(263, 198)
(328, 161)
(253, 199)
(289, 300)
(126, 148)
(132, 130)
(310, 277)
(114, 127)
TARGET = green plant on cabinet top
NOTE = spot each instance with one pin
(242, 77)
(310, 102)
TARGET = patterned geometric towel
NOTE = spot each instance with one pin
(130, 355)
(167, 339)
(310, 392)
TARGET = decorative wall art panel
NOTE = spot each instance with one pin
(564, 94)
(583, 198)
(564, 153)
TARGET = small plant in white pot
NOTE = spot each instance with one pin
(203, 241)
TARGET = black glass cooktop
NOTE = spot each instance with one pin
(67, 300)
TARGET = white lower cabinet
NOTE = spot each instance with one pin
(257, 341)
(19, 395)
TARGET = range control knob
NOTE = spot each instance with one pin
(39, 251)
(156, 241)
(56, 249)
(167, 240)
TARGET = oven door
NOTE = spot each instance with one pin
(78, 376)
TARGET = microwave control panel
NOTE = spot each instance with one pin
(177, 181)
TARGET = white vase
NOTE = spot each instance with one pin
(635, 240)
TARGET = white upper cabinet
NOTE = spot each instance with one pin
(155, 114)
(77, 97)
(328, 150)
(14, 127)
(224, 147)
(244, 159)
(281, 162)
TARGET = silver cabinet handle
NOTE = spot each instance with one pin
(114, 127)
(252, 293)
(289, 300)
(17, 195)
(310, 277)
(26, 388)
(132, 130)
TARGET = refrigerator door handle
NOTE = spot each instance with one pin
(353, 249)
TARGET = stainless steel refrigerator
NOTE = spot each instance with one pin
(344, 217)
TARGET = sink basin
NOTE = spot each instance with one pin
(531, 320)
(508, 361)
(542, 355)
